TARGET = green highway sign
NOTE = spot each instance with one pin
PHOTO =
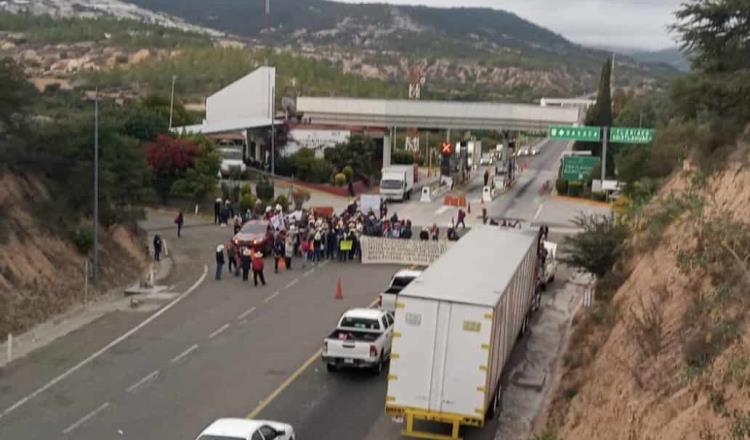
(623, 135)
(571, 133)
(578, 168)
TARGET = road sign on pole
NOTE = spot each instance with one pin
(625, 135)
(572, 133)
(578, 168)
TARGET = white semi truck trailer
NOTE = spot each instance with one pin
(455, 327)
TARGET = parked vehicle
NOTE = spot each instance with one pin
(456, 326)
(362, 339)
(244, 429)
(548, 271)
(231, 161)
(397, 182)
(401, 279)
(256, 235)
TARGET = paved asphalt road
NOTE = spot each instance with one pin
(219, 352)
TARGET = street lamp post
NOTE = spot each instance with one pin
(96, 185)
(171, 102)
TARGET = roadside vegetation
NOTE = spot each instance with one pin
(678, 325)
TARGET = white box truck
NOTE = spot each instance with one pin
(455, 327)
(397, 182)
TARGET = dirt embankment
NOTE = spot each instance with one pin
(41, 270)
(669, 356)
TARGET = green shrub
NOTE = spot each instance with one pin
(247, 201)
(562, 186)
(306, 167)
(401, 157)
(598, 247)
(339, 179)
(245, 189)
(575, 189)
(83, 240)
(348, 172)
(283, 201)
(264, 189)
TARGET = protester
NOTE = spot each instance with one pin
(435, 232)
(304, 249)
(237, 224)
(461, 218)
(424, 235)
(157, 247)
(179, 220)
(246, 262)
(217, 210)
(484, 215)
(219, 260)
(318, 246)
(232, 258)
(289, 251)
(279, 250)
(330, 241)
(257, 265)
(486, 177)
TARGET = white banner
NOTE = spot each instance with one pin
(378, 250)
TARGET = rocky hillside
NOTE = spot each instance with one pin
(41, 269)
(668, 357)
(483, 52)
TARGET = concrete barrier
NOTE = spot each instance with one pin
(378, 250)
(488, 194)
(426, 194)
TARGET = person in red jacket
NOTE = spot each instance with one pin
(257, 266)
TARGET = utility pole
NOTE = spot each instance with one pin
(273, 126)
(171, 102)
(604, 153)
(96, 184)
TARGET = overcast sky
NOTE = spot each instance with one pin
(623, 23)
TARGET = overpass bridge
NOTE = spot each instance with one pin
(443, 115)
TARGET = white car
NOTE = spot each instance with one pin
(244, 429)
(400, 280)
(524, 151)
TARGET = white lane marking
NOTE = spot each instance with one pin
(538, 211)
(325, 263)
(218, 331)
(308, 273)
(106, 348)
(184, 353)
(442, 209)
(273, 295)
(292, 283)
(246, 313)
(86, 418)
(138, 384)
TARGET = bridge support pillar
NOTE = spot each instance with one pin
(387, 147)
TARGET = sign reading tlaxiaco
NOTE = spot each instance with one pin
(394, 251)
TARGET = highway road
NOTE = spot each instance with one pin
(218, 352)
(222, 348)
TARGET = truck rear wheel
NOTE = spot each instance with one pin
(494, 407)
(378, 368)
(331, 368)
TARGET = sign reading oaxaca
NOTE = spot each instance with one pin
(571, 133)
(624, 135)
(577, 168)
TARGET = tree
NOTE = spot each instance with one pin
(201, 179)
(601, 115)
(360, 153)
(16, 94)
(716, 33)
(169, 159)
(150, 117)
(598, 247)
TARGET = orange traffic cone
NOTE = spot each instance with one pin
(339, 290)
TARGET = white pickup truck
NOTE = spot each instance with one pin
(547, 274)
(401, 279)
(362, 339)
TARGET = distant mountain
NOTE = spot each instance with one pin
(672, 57)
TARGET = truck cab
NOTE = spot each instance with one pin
(400, 280)
(397, 182)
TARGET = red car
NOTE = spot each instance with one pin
(255, 234)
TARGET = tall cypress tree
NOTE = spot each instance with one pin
(601, 115)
